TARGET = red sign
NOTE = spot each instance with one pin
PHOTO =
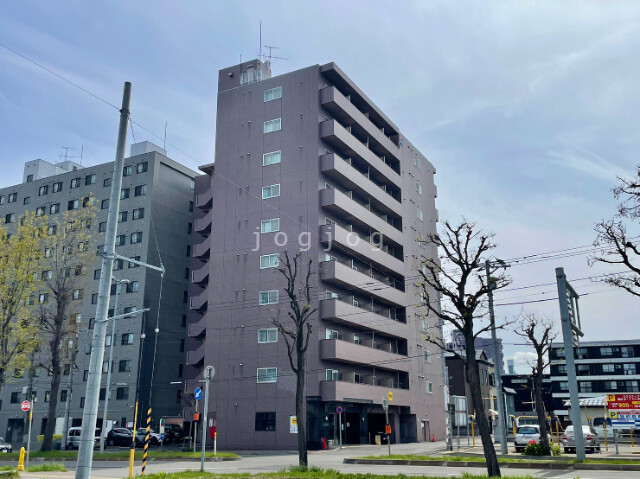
(26, 405)
(387, 429)
(623, 401)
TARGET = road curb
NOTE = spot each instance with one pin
(520, 465)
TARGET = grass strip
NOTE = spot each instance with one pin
(123, 454)
(46, 467)
(502, 460)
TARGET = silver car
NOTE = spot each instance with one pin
(5, 446)
(524, 434)
(591, 439)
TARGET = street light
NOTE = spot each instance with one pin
(209, 372)
(103, 438)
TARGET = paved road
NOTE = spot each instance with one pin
(325, 459)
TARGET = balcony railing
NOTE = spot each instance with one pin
(343, 390)
(345, 312)
(203, 225)
(349, 352)
(202, 250)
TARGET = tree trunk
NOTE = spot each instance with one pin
(473, 379)
(300, 405)
(56, 377)
(542, 419)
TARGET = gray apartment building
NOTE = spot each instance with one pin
(305, 161)
(155, 221)
(602, 367)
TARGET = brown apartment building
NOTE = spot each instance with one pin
(305, 161)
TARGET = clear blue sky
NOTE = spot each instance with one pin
(527, 109)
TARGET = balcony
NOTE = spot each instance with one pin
(354, 244)
(201, 275)
(199, 302)
(348, 391)
(339, 137)
(345, 313)
(204, 200)
(342, 108)
(197, 329)
(202, 250)
(203, 225)
(347, 352)
(352, 280)
(354, 213)
(337, 168)
(196, 356)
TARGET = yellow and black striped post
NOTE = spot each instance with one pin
(146, 441)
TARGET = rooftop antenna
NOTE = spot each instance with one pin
(81, 152)
(164, 142)
(260, 51)
(270, 56)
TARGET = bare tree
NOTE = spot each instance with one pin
(296, 338)
(612, 237)
(539, 332)
(453, 292)
(66, 259)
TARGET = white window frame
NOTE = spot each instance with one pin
(428, 387)
(268, 191)
(331, 374)
(272, 297)
(418, 188)
(419, 213)
(272, 125)
(269, 261)
(267, 375)
(269, 335)
(331, 334)
(270, 226)
(273, 94)
(272, 158)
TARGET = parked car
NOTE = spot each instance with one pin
(591, 439)
(5, 447)
(598, 425)
(73, 438)
(154, 437)
(119, 436)
(524, 434)
(173, 434)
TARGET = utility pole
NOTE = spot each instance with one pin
(570, 318)
(209, 372)
(67, 405)
(103, 436)
(90, 412)
(502, 430)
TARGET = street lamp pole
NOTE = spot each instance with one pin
(209, 372)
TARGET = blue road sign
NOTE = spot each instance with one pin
(197, 393)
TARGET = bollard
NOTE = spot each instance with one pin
(615, 439)
(606, 443)
(473, 434)
(21, 460)
(631, 431)
(146, 443)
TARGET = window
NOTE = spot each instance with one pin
(627, 351)
(15, 397)
(133, 287)
(267, 375)
(47, 275)
(103, 394)
(130, 309)
(270, 226)
(142, 167)
(41, 210)
(138, 214)
(419, 214)
(117, 264)
(608, 368)
(330, 295)
(136, 237)
(104, 204)
(268, 297)
(63, 395)
(269, 261)
(629, 368)
(606, 351)
(632, 386)
(47, 396)
(429, 387)
(75, 183)
(427, 356)
(585, 386)
(122, 392)
(273, 94)
(418, 188)
(270, 191)
(189, 228)
(57, 187)
(127, 338)
(120, 240)
(180, 370)
(124, 366)
(13, 197)
(188, 250)
(55, 208)
(417, 162)
(10, 218)
(43, 298)
(90, 180)
(107, 340)
(127, 170)
(29, 178)
(122, 216)
(133, 265)
(82, 402)
(182, 345)
(91, 323)
(48, 252)
(96, 274)
(271, 158)
(106, 182)
(2, 199)
(269, 335)
(124, 193)
(105, 366)
(563, 385)
(102, 227)
(265, 421)
(94, 298)
(43, 190)
(26, 200)
(192, 184)
(78, 294)
(611, 385)
(184, 321)
(560, 353)
(331, 334)
(562, 369)
(140, 190)
(331, 374)
(73, 205)
(190, 205)
(272, 125)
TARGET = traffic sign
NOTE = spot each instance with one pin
(209, 372)
(26, 405)
(197, 393)
(339, 409)
(390, 395)
(385, 404)
(387, 429)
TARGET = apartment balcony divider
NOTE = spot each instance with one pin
(199, 302)
(202, 250)
(201, 275)
(203, 225)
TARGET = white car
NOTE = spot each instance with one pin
(524, 434)
(5, 446)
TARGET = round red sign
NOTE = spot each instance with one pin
(26, 405)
